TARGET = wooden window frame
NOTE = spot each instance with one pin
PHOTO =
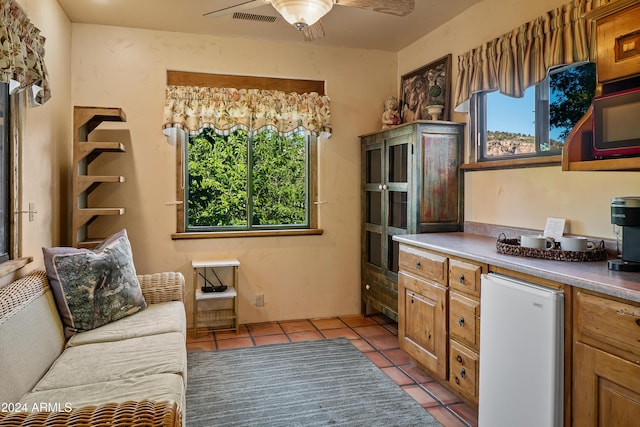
(184, 78)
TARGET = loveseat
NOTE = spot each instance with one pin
(131, 371)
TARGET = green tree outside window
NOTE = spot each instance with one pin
(259, 175)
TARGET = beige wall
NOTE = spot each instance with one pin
(46, 141)
(520, 197)
(310, 276)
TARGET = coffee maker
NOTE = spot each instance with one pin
(625, 212)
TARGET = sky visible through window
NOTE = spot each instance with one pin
(515, 115)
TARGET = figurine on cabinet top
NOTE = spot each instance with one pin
(391, 116)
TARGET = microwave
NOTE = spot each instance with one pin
(616, 124)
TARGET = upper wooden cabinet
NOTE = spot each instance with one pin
(411, 183)
(617, 40)
(617, 58)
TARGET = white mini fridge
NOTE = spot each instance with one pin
(521, 354)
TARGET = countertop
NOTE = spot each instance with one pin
(594, 276)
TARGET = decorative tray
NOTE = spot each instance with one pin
(512, 247)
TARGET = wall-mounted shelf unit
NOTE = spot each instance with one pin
(85, 121)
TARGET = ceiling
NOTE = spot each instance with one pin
(344, 26)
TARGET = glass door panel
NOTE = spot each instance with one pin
(374, 207)
(398, 159)
(374, 248)
(393, 262)
(398, 209)
(374, 166)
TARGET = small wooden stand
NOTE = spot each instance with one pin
(215, 310)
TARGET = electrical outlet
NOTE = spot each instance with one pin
(259, 300)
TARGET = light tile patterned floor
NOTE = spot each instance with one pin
(375, 336)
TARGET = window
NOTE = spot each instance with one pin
(5, 178)
(247, 180)
(246, 153)
(538, 123)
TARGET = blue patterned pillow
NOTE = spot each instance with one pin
(94, 287)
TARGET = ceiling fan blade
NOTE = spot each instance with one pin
(245, 5)
(313, 32)
(392, 7)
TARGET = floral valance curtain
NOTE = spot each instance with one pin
(520, 59)
(226, 109)
(22, 54)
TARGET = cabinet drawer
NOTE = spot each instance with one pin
(463, 370)
(464, 320)
(424, 264)
(610, 322)
(465, 277)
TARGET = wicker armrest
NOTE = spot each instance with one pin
(162, 287)
(143, 413)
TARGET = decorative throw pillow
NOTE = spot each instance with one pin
(94, 287)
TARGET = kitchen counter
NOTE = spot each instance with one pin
(594, 276)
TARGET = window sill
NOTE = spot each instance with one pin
(264, 233)
(513, 163)
(12, 265)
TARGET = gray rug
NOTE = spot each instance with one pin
(314, 383)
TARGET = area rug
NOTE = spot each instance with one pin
(313, 383)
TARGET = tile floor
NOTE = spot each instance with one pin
(375, 336)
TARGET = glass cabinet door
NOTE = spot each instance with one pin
(397, 201)
(373, 204)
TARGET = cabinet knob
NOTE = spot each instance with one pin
(367, 287)
(463, 372)
(461, 321)
(459, 358)
(461, 278)
(380, 187)
(418, 264)
(638, 322)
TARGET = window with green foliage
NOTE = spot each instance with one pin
(538, 123)
(247, 180)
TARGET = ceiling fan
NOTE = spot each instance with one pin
(305, 14)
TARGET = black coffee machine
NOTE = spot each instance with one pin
(625, 212)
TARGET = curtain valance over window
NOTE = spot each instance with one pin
(225, 109)
(22, 54)
(522, 58)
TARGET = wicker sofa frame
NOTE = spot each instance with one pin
(156, 288)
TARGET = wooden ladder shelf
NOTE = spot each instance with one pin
(86, 120)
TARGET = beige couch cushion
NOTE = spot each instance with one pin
(31, 335)
(159, 388)
(111, 361)
(155, 319)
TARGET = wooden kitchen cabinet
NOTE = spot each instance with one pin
(439, 317)
(411, 183)
(422, 310)
(606, 369)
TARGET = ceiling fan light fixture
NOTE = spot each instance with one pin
(302, 13)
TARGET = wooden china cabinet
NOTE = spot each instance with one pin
(411, 183)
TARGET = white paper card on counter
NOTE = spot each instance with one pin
(554, 227)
